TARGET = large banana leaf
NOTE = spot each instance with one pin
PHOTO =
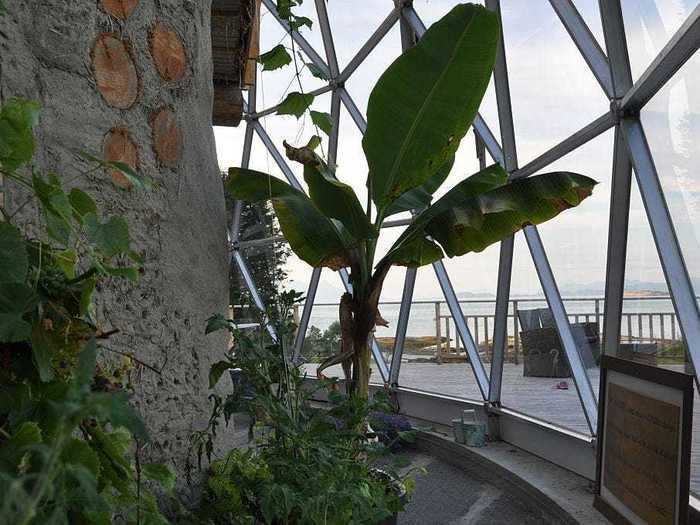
(416, 252)
(424, 103)
(420, 197)
(311, 234)
(472, 216)
(334, 198)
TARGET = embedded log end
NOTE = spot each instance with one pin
(168, 53)
(120, 9)
(119, 147)
(167, 137)
(115, 72)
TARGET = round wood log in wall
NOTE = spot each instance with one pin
(168, 53)
(115, 71)
(119, 147)
(167, 137)
(120, 9)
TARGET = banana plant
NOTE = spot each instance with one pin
(418, 112)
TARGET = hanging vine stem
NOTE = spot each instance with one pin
(297, 75)
(290, 17)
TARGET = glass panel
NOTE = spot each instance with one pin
(322, 335)
(548, 77)
(672, 123)
(590, 13)
(489, 112)
(353, 27)
(650, 332)
(362, 81)
(431, 11)
(474, 277)
(432, 359)
(537, 381)
(576, 246)
(649, 26)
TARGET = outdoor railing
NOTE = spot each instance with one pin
(645, 319)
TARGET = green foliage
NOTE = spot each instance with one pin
(17, 118)
(418, 112)
(265, 261)
(316, 71)
(335, 199)
(424, 103)
(14, 262)
(295, 104)
(420, 197)
(319, 345)
(311, 234)
(323, 121)
(67, 430)
(160, 473)
(305, 465)
(276, 58)
(484, 209)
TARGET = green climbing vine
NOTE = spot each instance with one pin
(69, 440)
(296, 103)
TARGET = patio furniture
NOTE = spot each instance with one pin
(543, 354)
(644, 353)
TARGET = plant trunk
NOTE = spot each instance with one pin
(364, 356)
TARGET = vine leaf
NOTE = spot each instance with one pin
(276, 58)
(295, 22)
(295, 104)
(57, 207)
(27, 434)
(316, 71)
(218, 322)
(160, 473)
(82, 204)
(14, 262)
(323, 121)
(16, 299)
(41, 353)
(111, 237)
(85, 489)
(216, 371)
(17, 118)
(14, 329)
(78, 452)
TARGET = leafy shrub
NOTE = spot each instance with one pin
(305, 464)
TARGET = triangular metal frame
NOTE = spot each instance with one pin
(612, 71)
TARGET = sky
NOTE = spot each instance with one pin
(553, 95)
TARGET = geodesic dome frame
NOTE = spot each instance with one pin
(612, 71)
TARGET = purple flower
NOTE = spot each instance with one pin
(389, 422)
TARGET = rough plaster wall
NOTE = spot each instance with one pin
(179, 226)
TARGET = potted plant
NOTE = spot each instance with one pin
(418, 112)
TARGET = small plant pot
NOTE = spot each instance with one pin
(392, 484)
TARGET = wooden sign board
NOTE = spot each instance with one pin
(644, 430)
